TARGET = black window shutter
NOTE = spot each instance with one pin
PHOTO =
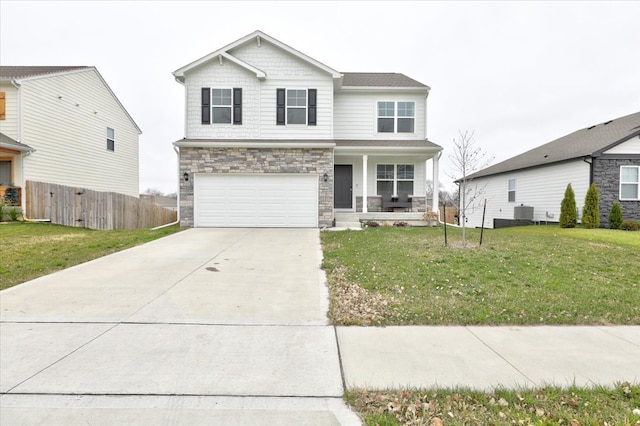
(312, 107)
(206, 105)
(237, 105)
(280, 106)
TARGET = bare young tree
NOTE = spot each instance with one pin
(467, 158)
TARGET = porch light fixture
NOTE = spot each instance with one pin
(186, 176)
(325, 177)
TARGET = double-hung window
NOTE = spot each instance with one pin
(296, 106)
(396, 117)
(512, 190)
(630, 182)
(111, 139)
(221, 106)
(394, 179)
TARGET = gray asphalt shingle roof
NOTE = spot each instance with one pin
(10, 72)
(379, 79)
(7, 142)
(589, 142)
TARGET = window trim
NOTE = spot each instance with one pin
(111, 141)
(228, 107)
(207, 106)
(636, 183)
(511, 191)
(394, 181)
(395, 117)
(310, 107)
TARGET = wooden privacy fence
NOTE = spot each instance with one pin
(85, 208)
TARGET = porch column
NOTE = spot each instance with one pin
(365, 158)
(436, 182)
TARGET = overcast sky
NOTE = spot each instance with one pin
(518, 74)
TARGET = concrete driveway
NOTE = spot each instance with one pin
(207, 326)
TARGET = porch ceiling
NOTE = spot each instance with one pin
(421, 148)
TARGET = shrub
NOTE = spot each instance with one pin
(400, 224)
(372, 224)
(615, 216)
(568, 216)
(1, 211)
(630, 225)
(14, 213)
(591, 209)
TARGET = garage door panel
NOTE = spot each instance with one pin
(260, 200)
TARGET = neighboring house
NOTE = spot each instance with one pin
(274, 138)
(607, 154)
(64, 125)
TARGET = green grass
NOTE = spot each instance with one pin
(31, 250)
(548, 406)
(522, 276)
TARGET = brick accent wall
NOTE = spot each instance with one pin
(257, 160)
(606, 175)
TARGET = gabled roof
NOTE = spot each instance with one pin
(13, 72)
(379, 79)
(257, 37)
(589, 142)
(10, 143)
(19, 72)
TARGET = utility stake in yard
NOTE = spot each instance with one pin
(484, 210)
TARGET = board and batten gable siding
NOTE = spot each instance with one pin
(65, 119)
(283, 70)
(541, 188)
(355, 114)
(225, 76)
(9, 126)
(632, 146)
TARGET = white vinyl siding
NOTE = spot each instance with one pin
(9, 126)
(541, 188)
(64, 119)
(258, 200)
(632, 146)
(355, 115)
(259, 96)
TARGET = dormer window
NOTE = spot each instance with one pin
(396, 117)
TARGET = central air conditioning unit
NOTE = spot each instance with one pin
(523, 212)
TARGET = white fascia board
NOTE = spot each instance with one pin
(253, 144)
(53, 74)
(261, 75)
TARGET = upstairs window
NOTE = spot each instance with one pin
(395, 179)
(221, 106)
(630, 182)
(396, 117)
(296, 106)
(111, 139)
(512, 191)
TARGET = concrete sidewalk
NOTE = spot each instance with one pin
(484, 358)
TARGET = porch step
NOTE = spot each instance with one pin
(348, 221)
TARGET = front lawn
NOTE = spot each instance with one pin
(31, 250)
(523, 276)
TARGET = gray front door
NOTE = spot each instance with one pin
(343, 187)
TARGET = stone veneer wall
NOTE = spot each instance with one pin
(374, 204)
(257, 160)
(606, 175)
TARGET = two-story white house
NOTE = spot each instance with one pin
(275, 138)
(64, 125)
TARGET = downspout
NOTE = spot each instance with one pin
(589, 161)
(178, 196)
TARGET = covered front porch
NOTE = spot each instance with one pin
(385, 180)
(12, 154)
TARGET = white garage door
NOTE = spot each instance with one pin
(259, 200)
